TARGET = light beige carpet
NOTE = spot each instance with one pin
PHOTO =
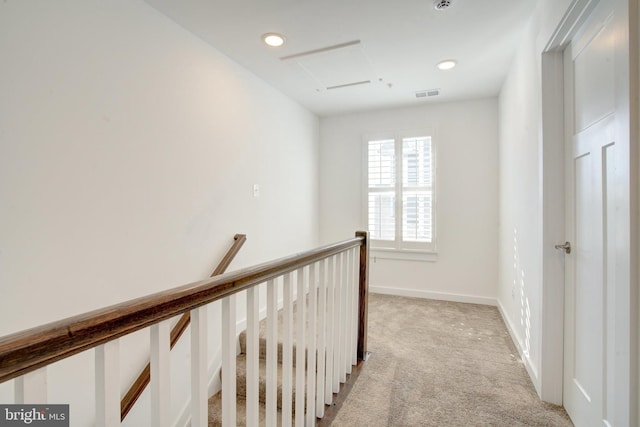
(437, 363)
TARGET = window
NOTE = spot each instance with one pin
(400, 194)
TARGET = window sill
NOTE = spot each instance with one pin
(404, 255)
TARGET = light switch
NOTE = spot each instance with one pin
(256, 190)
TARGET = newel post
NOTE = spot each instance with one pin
(363, 293)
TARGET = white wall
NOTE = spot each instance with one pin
(128, 150)
(467, 196)
(520, 223)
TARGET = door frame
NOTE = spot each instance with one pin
(553, 214)
(553, 200)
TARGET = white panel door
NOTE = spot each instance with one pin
(590, 146)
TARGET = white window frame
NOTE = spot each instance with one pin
(399, 249)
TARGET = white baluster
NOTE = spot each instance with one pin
(272, 354)
(300, 348)
(229, 361)
(311, 348)
(344, 322)
(348, 311)
(199, 383)
(287, 350)
(337, 342)
(356, 306)
(328, 394)
(322, 307)
(160, 374)
(252, 356)
(353, 340)
(107, 384)
(32, 387)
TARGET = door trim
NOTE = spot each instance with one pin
(553, 228)
(552, 203)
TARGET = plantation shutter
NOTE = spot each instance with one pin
(382, 190)
(400, 193)
(417, 194)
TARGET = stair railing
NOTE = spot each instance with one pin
(334, 278)
(142, 381)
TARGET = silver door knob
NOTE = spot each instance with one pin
(566, 247)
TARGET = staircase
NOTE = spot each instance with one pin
(215, 402)
(337, 328)
(324, 320)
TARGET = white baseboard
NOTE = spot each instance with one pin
(241, 324)
(213, 386)
(517, 341)
(433, 295)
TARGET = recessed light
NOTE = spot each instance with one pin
(273, 39)
(447, 64)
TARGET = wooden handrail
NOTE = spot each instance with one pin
(138, 386)
(31, 349)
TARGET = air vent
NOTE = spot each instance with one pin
(428, 93)
(442, 4)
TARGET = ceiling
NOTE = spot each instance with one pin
(392, 45)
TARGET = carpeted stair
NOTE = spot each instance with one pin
(215, 402)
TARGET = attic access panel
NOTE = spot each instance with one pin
(335, 67)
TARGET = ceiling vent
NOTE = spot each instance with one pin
(428, 93)
(442, 4)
